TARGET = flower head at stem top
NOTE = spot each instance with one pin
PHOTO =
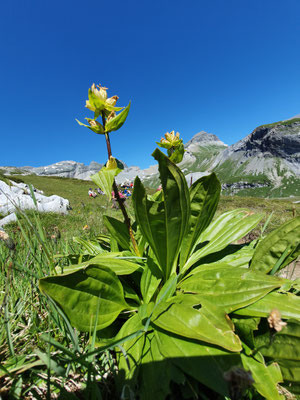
(174, 146)
(170, 140)
(98, 100)
(106, 109)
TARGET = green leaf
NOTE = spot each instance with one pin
(164, 224)
(81, 293)
(203, 362)
(265, 377)
(225, 230)
(210, 324)
(245, 328)
(283, 345)
(115, 123)
(149, 284)
(156, 372)
(117, 265)
(230, 288)
(287, 303)
(118, 230)
(291, 373)
(270, 249)
(204, 197)
(104, 179)
(130, 359)
(96, 127)
(91, 247)
(168, 289)
(177, 155)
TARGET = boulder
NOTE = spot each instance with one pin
(17, 196)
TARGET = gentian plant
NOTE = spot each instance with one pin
(186, 311)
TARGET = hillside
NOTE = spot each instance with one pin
(265, 163)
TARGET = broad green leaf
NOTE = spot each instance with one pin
(168, 289)
(283, 345)
(225, 230)
(118, 230)
(245, 327)
(81, 293)
(287, 303)
(203, 362)
(115, 261)
(149, 284)
(210, 324)
(230, 288)
(118, 265)
(130, 292)
(156, 372)
(115, 123)
(164, 224)
(269, 250)
(291, 373)
(235, 255)
(104, 179)
(265, 377)
(204, 197)
(129, 362)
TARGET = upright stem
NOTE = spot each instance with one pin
(119, 200)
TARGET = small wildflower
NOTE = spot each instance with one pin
(86, 227)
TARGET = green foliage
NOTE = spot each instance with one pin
(116, 122)
(192, 308)
(104, 179)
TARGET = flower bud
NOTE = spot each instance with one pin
(111, 116)
(95, 126)
(111, 163)
(112, 100)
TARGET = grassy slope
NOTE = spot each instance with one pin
(85, 210)
(30, 314)
(89, 211)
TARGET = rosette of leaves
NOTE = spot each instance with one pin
(191, 314)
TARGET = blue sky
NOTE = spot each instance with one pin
(223, 66)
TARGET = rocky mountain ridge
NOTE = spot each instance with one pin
(266, 162)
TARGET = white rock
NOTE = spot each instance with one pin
(8, 219)
(17, 197)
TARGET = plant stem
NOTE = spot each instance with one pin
(119, 200)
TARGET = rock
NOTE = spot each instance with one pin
(17, 196)
(69, 169)
(8, 219)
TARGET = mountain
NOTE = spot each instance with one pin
(200, 152)
(267, 160)
(265, 163)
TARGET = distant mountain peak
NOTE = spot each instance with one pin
(203, 138)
